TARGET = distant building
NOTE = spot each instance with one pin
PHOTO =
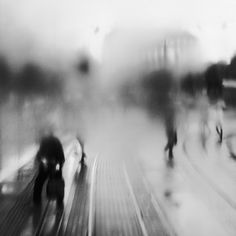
(150, 50)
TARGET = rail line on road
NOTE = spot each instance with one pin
(157, 205)
(49, 208)
(202, 175)
(42, 220)
(91, 198)
(137, 209)
(17, 212)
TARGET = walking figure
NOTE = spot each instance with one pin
(171, 134)
(219, 107)
(214, 85)
(50, 159)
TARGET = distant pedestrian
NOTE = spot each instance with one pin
(171, 131)
(218, 118)
(83, 155)
(204, 109)
(160, 89)
(214, 84)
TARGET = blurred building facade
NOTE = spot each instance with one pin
(151, 50)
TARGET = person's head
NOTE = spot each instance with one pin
(47, 130)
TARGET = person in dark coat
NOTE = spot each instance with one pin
(51, 152)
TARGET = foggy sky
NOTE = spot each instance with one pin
(55, 30)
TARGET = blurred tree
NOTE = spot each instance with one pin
(231, 69)
(33, 81)
(5, 79)
(192, 84)
(159, 88)
(84, 66)
(30, 81)
(214, 75)
(33, 84)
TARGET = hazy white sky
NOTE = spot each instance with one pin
(30, 27)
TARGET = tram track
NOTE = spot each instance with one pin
(202, 175)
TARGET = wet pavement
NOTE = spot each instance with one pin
(18, 214)
(131, 192)
(115, 212)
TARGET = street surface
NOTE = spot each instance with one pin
(128, 187)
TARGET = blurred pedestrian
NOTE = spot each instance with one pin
(160, 89)
(83, 155)
(218, 119)
(214, 84)
(50, 159)
(171, 130)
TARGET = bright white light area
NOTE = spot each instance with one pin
(67, 25)
(218, 40)
(96, 34)
(229, 83)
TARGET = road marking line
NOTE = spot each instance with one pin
(91, 198)
(42, 222)
(160, 212)
(137, 209)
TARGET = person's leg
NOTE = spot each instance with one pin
(83, 155)
(204, 134)
(172, 141)
(175, 138)
(60, 197)
(221, 134)
(167, 146)
(38, 185)
(82, 151)
(171, 152)
(219, 131)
